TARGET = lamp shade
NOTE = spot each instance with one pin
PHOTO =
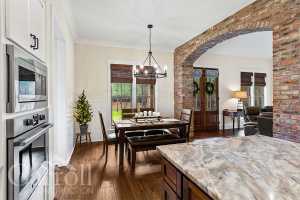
(239, 94)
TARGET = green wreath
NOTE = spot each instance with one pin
(209, 88)
(196, 88)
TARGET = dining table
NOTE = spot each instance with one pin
(122, 126)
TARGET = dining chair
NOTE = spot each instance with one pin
(109, 137)
(185, 115)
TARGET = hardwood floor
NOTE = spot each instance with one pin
(90, 176)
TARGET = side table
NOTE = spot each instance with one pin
(233, 114)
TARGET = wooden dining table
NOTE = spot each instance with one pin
(122, 126)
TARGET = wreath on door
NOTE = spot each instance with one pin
(209, 88)
(196, 88)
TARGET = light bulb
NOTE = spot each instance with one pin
(146, 72)
(141, 67)
(165, 68)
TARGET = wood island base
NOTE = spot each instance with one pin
(175, 186)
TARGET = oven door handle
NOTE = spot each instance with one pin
(34, 137)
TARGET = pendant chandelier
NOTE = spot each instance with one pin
(150, 69)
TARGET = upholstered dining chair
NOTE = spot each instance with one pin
(109, 137)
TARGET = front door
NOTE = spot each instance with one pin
(206, 99)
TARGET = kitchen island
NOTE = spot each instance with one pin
(241, 168)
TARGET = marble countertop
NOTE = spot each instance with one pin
(241, 168)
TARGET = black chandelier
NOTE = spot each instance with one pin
(150, 69)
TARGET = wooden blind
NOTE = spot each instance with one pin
(260, 79)
(151, 81)
(121, 73)
(246, 78)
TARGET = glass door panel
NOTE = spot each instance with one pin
(197, 75)
(211, 87)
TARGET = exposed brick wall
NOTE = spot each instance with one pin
(280, 16)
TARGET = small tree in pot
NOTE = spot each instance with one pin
(83, 112)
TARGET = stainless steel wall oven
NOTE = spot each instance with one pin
(26, 81)
(27, 154)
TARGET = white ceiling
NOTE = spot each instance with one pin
(257, 45)
(123, 22)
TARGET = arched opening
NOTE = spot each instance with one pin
(282, 17)
(247, 53)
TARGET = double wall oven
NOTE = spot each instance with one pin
(26, 81)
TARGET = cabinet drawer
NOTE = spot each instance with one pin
(167, 193)
(172, 176)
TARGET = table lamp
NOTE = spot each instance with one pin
(240, 95)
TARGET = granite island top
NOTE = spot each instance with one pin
(241, 168)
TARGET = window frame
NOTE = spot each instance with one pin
(253, 87)
(133, 89)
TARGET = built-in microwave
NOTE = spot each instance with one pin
(26, 81)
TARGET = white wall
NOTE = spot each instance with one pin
(230, 68)
(93, 75)
(62, 100)
(61, 76)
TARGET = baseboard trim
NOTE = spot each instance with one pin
(67, 161)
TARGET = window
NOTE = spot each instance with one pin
(145, 96)
(130, 95)
(121, 97)
(121, 90)
(259, 95)
(247, 102)
(259, 89)
(246, 84)
(256, 91)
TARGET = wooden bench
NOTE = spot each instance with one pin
(150, 141)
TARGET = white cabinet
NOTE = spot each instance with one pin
(41, 191)
(37, 26)
(17, 22)
(26, 25)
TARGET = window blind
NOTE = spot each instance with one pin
(260, 79)
(246, 78)
(121, 73)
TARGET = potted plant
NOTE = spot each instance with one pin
(83, 112)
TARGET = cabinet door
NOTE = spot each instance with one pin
(41, 191)
(37, 26)
(192, 192)
(17, 22)
(167, 193)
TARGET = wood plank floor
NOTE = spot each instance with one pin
(90, 176)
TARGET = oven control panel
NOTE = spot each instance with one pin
(35, 120)
(22, 124)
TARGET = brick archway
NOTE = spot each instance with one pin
(280, 16)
